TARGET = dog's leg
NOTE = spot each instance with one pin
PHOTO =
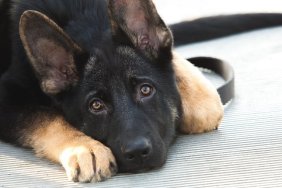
(50, 136)
(202, 108)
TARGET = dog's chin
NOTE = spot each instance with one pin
(138, 170)
(153, 164)
(135, 170)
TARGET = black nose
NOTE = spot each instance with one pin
(137, 150)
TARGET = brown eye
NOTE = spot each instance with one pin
(146, 90)
(97, 105)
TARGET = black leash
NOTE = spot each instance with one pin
(223, 69)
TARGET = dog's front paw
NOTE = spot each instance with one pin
(88, 160)
(201, 104)
(205, 116)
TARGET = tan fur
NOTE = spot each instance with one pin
(84, 159)
(202, 108)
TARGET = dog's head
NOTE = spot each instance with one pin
(122, 91)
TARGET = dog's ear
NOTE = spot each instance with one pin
(139, 20)
(50, 50)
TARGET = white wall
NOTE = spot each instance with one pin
(176, 10)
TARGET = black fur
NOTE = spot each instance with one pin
(107, 70)
(5, 42)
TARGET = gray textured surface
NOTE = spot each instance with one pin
(245, 152)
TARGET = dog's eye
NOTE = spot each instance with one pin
(97, 105)
(146, 90)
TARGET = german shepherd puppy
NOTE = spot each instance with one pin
(94, 84)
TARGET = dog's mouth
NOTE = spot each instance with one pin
(154, 163)
(137, 170)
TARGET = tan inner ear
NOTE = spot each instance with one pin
(49, 50)
(56, 55)
(141, 22)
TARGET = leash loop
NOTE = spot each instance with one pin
(223, 69)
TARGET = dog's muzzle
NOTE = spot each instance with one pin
(137, 151)
(138, 155)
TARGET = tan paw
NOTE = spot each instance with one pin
(87, 160)
(202, 118)
(201, 104)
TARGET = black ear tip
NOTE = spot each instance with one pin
(25, 19)
(30, 14)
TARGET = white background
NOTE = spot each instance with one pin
(175, 10)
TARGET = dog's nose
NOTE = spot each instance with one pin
(137, 150)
